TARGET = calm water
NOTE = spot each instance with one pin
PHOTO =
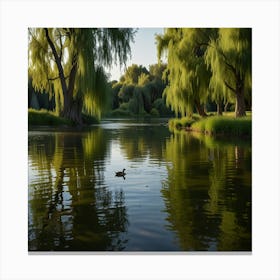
(182, 192)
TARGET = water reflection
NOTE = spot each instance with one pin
(70, 207)
(181, 192)
(208, 194)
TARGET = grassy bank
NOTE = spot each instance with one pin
(44, 117)
(215, 125)
(224, 126)
(182, 123)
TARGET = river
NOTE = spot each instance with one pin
(181, 191)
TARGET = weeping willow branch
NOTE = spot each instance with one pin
(58, 62)
(61, 46)
(39, 44)
(228, 86)
(56, 78)
(231, 67)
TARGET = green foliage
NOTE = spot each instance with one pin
(188, 76)
(139, 89)
(154, 112)
(119, 113)
(229, 58)
(88, 119)
(124, 106)
(157, 70)
(122, 111)
(44, 117)
(133, 73)
(126, 92)
(224, 126)
(184, 191)
(182, 123)
(160, 105)
(143, 79)
(136, 103)
(115, 94)
(206, 63)
(68, 62)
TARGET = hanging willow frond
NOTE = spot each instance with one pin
(82, 53)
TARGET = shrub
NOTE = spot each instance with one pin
(120, 113)
(154, 112)
(224, 126)
(87, 119)
(44, 117)
(124, 106)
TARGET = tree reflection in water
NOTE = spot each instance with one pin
(183, 192)
(70, 208)
(208, 193)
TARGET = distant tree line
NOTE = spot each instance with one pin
(139, 92)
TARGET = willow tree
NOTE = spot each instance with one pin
(132, 74)
(188, 75)
(69, 63)
(229, 56)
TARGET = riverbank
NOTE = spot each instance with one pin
(44, 117)
(215, 125)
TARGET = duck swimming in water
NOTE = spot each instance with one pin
(120, 173)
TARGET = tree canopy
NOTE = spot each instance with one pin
(68, 62)
(206, 63)
(139, 92)
(229, 56)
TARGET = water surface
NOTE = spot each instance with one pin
(182, 192)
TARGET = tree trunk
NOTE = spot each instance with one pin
(226, 107)
(240, 110)
(200, 109)
(58, 63)
(72, 107)
(219, 108)
(74, 111)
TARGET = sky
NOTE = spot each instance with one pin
(143, 51)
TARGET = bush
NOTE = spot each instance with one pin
(224, 126)
(215, 125)
(181, 123)
(87, 119)
(120, 113)
(124, 106)
(44, 117)
(154, 112)
(163, 110)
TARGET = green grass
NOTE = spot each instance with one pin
(178, 124)
(44, 117)
(224, 125)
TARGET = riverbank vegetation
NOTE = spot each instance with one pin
(45, 117)
(214, 125)
(206, 70)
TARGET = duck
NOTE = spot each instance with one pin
(120, 173)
